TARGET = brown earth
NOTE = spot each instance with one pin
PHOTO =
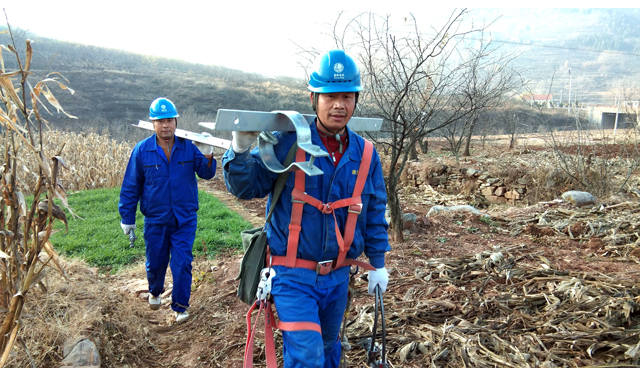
(113, 311)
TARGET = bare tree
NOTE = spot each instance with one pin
(454, 134)
(488, 82)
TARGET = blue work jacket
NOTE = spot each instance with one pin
(247, 177)
(164, 189)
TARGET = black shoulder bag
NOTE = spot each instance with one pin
(254, 243)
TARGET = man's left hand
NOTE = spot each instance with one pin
(378, 277)
(203, 147)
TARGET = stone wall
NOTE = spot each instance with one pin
(444, 178)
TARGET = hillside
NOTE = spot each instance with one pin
(600, 46)
(114, 88)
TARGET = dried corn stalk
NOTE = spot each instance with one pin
(505, 307)
(25, 227)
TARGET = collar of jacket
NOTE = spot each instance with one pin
(178, 142)
(354, 149)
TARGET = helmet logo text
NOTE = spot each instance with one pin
(338, 68)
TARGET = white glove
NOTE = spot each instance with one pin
(127, 227)
(241, 141)
(264, 286)
(378, 277)
(203, 147)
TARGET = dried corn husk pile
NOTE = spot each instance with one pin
(505, 308)
(427, 195)
(616, 225)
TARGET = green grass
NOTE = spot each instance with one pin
(98, 239)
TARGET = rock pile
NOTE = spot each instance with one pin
(467, 180)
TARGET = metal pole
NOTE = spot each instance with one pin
(569, 108)
(615, 126)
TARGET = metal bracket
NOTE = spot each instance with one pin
(250, 121)
(233, 120)
(267, 122)
(266, 141)
(213, 141)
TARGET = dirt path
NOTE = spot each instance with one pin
(252, 212)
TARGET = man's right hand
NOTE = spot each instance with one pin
(241, 141)
(127, 227)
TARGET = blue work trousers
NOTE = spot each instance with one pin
(296, 302)
(170, 245)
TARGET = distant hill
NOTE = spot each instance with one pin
(114, 88)
(600, 46)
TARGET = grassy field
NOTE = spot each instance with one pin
(98, 239)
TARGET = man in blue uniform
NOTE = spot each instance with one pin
(309, 236)
(161, 175)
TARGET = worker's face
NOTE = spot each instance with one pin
(335, 109)
(165, 128)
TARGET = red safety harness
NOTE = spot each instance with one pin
(322, 268)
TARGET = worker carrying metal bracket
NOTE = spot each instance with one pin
(322, 222)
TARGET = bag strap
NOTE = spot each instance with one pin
(280, 181)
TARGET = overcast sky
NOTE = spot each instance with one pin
(252, 36)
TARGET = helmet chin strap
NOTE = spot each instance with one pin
(329, 132)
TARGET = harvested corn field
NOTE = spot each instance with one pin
(88, 161)
(467, 291)
(544, 285)
(506, 308)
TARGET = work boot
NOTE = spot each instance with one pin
(181, 316)
(154, 302)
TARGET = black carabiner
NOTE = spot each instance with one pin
(373, 350)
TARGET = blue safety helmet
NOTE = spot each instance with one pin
(336, 71)
(162, 108)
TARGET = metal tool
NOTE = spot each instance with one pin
(267, 140)
(233, 120)
(267, 122)
(374, 350)
(249, 121)
(132, 237)
(192, 136)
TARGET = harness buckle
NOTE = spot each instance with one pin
(324, 268)
(327, 208)
(355, 209)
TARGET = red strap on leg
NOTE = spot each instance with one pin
(248, 348)
(299, 326)
(269, 344)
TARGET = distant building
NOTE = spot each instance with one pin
(540, 100)
(610, 116)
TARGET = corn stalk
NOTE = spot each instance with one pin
(25, 250)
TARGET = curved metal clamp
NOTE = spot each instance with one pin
(266, 141)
